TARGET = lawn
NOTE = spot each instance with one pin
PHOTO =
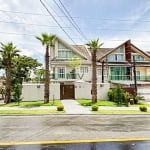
(31, 112)
(32, 104)
(140, 104)
(88, 102)
(28, 105)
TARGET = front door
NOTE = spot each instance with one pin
(67, 91)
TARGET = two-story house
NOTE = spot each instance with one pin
(114, 65)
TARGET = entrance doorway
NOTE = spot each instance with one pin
(67, 91)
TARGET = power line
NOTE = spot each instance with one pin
(53, 26)
(71, 20)
(57, 21)
(76, 17)
(30, 24)
(54, 12)
(20, 34)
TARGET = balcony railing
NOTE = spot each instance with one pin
(64, 76)
(124, 77)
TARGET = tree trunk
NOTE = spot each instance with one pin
(94, 78)
(47, 79)
(8, 81)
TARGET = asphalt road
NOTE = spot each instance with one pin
(73, 127)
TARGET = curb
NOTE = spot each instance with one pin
(76, 141)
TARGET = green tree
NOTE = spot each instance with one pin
(118, 95)
(39, 75)
(75, 63)
(8, 52)
(48, 41)
(21, 70)
(94, 46)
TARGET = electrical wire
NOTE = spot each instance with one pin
(71, 20)
(76, 17)
(57, 22)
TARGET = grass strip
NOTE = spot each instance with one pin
(31, 112)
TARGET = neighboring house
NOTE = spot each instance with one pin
(114, 65)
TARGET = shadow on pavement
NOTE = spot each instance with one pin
(132, 145)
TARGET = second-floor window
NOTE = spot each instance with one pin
(84, 69)
(61, 72)
(115, 57)
(138, 57)
(65, 54)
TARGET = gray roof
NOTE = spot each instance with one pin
(85, 51)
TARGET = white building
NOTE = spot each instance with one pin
(114, 65)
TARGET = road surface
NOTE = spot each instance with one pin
(73, 127)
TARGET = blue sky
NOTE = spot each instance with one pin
(112, 21)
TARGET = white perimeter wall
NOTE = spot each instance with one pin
(32, 92)
(83, 90)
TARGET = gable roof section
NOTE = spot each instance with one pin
(111, 51)
(71, 47)
(85, 51)
(102, 52)
(82, 49)
(136, 49)
(140, 51)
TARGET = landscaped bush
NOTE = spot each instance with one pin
(119, 96)
(111, 95)
(94, 108)
(138, 98)
(60, 108)
(143, 108)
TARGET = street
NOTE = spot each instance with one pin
(73, 127)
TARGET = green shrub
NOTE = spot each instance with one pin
(143, 108)
(138, 98)
(94, 108)
(111, 95)
(60, 108)
(119, 96)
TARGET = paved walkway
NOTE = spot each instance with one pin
(73, 107)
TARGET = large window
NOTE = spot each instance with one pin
(61, 72)
(120, 50)
(66, 54)
(115, 57)
(138, 57)
(83, 69)
(119, 73)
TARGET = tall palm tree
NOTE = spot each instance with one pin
(8, 52)
(48, 41)
(94, 46)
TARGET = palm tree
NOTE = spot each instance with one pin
(48, 41)
(8, 52)
(94, 46)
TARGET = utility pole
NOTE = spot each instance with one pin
(134, 72)
(103, 71)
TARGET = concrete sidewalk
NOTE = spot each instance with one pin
(73, 107)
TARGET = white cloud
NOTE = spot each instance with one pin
(32, 47)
